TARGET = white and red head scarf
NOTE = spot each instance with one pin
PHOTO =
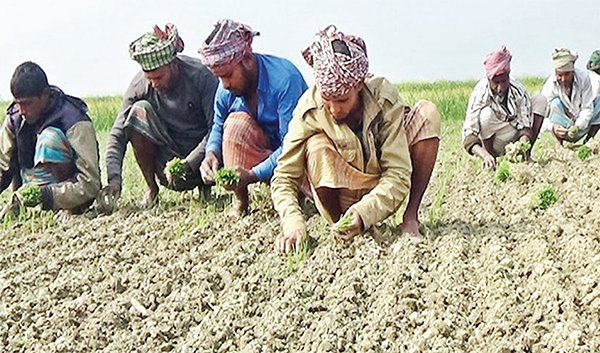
(497, 63)
(226, 46)
(337, 72)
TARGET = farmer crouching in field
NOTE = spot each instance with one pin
(573, 112)
(253, 106)
(360, 147)
(48, 145)
(500, 111)
(166, 113)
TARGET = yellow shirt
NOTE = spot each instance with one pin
(383, 136)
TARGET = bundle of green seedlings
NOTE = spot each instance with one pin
(175, 169)
(31, 194)
(345, 222)
(573, 130)
(545, 197)
(226, 176)
(517, 151)
(584, 152)
(502, 169)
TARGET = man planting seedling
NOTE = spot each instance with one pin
(500, 112)
(362, 149)
(166, 114)
(574, 111)
(48, 146)
(253, 106)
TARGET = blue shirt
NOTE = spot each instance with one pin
(280, 85)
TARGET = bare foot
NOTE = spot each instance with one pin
(149, 200)
(411, 227)
(238, 209)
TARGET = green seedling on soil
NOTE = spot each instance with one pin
(584, 152)
(503, 170)
(345, 222)
(227, 176)
(176, 169)
(517, 151)
(32, 195)
(296, 256)
(545, 197)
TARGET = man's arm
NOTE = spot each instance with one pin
(287, 99)
(395, 163)
(288, 177)
(73, 193)
(116, 145)
(471, 128)
(587, 104)
(524, 115)
(207, 89)
(7, 143)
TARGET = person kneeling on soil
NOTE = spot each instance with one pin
(166, 114)
(500, 111)
(48, 146)
(253, 106)
(360, 147)
(573, 111)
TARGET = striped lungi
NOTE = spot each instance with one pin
(143, 118)
(52, 146)
(327, 168)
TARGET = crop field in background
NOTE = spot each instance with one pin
(493, 272)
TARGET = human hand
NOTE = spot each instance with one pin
(246, 177)
(489, 161)
(177, 171)
(30, 195)
(560, 132)
(108, 196)
(348, 232)
(291, 241)
(209, 167)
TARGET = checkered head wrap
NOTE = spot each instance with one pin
(337, 71)
(226, 46)
(157, 48)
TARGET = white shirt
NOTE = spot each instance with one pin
(581, 102)
(517, 110)
(595, 79)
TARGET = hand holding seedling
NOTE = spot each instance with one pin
(176, 169)
(560, 132)
(291, 241)
(573, 130)
(348, 226)
(30, 195)
(235, 178)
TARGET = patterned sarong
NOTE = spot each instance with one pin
(52, 146)
(244, 142)
(246, 145)
(327, 168)
(143, 118)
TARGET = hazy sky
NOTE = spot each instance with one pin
(83, 44)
